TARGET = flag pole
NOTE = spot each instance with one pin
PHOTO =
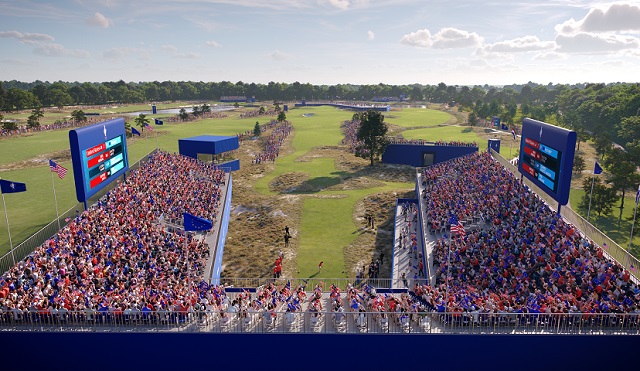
(55, 199)
(156, 135)
(8, 230)
(593, 178)
(632, 225)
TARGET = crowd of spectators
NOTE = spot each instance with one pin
(356, 146)
(116, 256)
(422, 142)
(272, 143)
(257, 113)
(522, 257)
(201, 115)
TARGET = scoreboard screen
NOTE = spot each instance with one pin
(546, 157)
(99, 155)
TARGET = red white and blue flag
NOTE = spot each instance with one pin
(457, 227)
(148, 127)
(56, 168)
(513, 132)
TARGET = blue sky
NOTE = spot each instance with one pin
(460, 42)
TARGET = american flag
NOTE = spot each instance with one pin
(458, 229)
(61, 171)
(148, 127)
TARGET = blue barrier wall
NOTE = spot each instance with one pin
(233, 165)
(411, 154)
(222, 237)
(202, 351)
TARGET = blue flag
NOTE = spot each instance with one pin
(8, 186)
(195, 223)
(504, 127)
(597, 169)
(135, 132)
(159, 122)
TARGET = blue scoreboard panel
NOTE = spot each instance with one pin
(99, 156)
(546, 157)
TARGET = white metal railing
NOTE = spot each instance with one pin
(262, 321)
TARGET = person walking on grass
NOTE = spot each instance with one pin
(320, 266)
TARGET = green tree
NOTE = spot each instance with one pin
(602, 199)
(141, 121)
(205, 108)
(78, 115)
(578, 165)
(256, 129)
(196, 111)
(416, 94)
(372, 132)
(18, 99)
(623, 174)
(261, 110)
(9, 126)
(183, 114)
(276, 106)
(281, 116)
(34, 119)
(472, 119)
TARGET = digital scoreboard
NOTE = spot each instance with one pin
(99, 155)
(546, 157)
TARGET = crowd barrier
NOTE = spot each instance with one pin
(214, 321)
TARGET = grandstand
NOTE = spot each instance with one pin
(510, 267)
(127, 264)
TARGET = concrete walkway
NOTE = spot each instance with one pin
(406, 257)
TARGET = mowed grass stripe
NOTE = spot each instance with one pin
(328, 227)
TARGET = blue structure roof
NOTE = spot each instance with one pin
(207, 144)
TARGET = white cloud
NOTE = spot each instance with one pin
(278, 55)
(371, 35)
(589, 43)
(614, 18)
(99, 20)
(446, 38)
(452, 38)
(26, 38)
(521, 44)
(57, 50)
(213, 44)
(419, 39)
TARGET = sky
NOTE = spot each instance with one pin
(463, 42)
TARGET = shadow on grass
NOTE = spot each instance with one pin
(467, 130)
